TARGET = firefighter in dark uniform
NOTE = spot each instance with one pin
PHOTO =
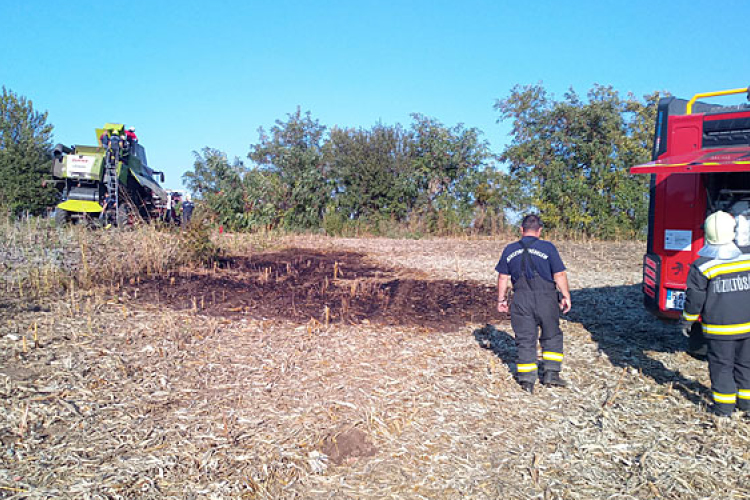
(718, 292)
(537, 273)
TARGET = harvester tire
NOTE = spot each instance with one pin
(61, 217)
(123, 217)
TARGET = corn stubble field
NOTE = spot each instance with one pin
(315, 367)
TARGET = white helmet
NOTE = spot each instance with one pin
(132, 129)
(719, 228)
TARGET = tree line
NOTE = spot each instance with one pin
(304, 176)
(567, 158)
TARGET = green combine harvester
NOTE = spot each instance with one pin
(109, 184)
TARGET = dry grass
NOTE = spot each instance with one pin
(39, 259)
(121, 401)
(590, 263)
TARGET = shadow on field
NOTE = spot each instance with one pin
(500, 342)
(626, 333)
(623, 330)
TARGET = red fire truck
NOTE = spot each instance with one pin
(700, 164)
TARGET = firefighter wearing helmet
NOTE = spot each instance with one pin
(718, 292)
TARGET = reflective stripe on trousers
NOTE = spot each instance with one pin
(729, 367)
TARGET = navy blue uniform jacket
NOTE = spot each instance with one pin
(545, 259)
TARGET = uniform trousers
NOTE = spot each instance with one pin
(729, 367)
(535, 306)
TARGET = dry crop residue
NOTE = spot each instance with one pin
(104, 396)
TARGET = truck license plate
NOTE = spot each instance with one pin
(675, 299)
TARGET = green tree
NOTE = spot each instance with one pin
(445, 166)
(293, 152)
(487, 195)
(218, 185)
(25, 155)
(370, 172)
(570, 158)
(262, 193)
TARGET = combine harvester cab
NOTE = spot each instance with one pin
(700, 165)
(110, 183)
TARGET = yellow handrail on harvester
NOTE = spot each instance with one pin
(714, 94)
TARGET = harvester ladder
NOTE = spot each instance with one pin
(113, 183)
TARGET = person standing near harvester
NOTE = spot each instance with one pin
(718, 291)
(537, 273)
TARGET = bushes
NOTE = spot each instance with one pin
(380, 180)
(197, 246)
(567, 159)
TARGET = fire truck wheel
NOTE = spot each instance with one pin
(697, 346)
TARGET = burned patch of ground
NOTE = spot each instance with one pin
(347, 446)
(337, 287)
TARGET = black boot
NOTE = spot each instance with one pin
(721, 410)
(527, 386)
(553, 379)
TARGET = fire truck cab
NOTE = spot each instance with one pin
(700, 164)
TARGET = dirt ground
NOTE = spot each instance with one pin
(354, 368)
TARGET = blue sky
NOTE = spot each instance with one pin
(192, 74)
